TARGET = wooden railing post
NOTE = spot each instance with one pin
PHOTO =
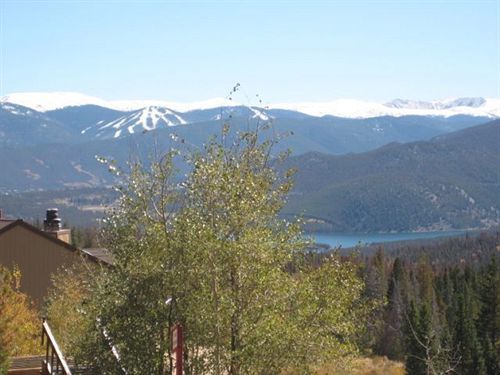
(56, 362)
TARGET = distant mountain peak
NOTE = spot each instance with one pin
(347, 108)
(409, 104)
(472, 102)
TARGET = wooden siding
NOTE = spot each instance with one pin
(36, 256)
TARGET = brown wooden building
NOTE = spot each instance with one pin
(39, 254)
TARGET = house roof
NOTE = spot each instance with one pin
(4, 222)
(100, 253)
(101, 256)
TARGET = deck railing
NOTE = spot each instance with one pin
(54, 363)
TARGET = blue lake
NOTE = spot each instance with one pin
(353, 239)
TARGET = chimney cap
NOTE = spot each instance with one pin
(52, 221)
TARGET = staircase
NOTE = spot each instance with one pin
(52, 363)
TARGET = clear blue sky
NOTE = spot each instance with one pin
(283, 50)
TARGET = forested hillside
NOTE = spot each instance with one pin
(440, 311)
(452, 181)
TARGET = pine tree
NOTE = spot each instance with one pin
(465, 337)
(392, 342)
(375, 290)
(489, 316)
(415, 358)
(425, 277)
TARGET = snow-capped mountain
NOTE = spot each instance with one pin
(443, 104)
(89, 121)
(49, 101)
(146, 119)
(154, 117)
(346, 108)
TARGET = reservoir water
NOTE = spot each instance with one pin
(353, 239)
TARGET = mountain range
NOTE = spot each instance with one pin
(402, 165)
(51, 140)
(349, 126)
(347, 108)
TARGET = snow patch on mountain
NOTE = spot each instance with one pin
(17, 110)
(258, 113)
(146, 119)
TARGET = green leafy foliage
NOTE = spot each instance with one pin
(70, 286)
(215, 257)
(19, 323)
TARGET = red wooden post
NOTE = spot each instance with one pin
(177, 346)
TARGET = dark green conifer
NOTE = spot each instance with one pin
(415, 358)
(472, 361)
(488, 324)
(392, 340)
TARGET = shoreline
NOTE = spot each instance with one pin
(331, 240)
(451, 230)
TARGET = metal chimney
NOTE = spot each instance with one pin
(52, 221)
(52, 225)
